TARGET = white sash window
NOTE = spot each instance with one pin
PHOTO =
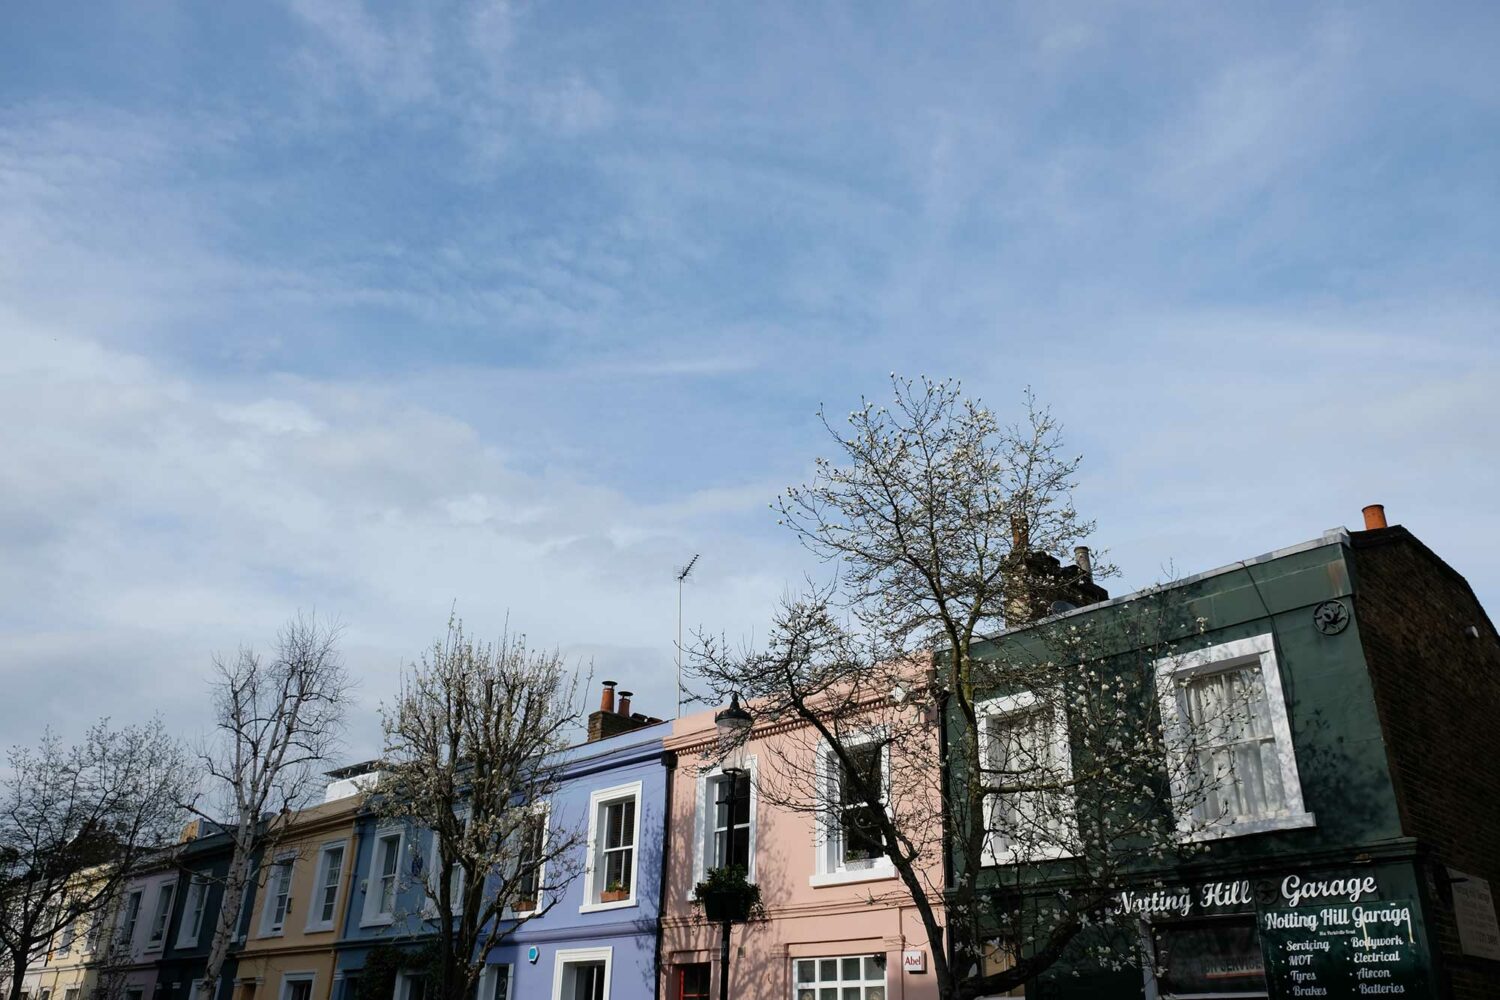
(1231, 762)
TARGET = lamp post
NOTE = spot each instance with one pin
(733, 724)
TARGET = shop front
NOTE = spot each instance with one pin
(1339, 932)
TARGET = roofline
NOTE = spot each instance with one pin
(1333, 536)
(647, 740)
(1398, 534)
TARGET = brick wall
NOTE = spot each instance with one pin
(1438, 693)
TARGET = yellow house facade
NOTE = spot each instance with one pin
(70, 969)
(302, 886)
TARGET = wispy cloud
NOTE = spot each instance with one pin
(374, 306)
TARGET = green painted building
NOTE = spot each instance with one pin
(1337, 838)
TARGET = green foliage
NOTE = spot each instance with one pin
(727, 893)
(377, 980)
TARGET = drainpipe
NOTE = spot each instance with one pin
(348, 914)
(945, 786)
(668, 761)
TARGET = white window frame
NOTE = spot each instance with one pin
(315, 922)
(703, 821)
(544, 810)
(165, 891)
(126, 935)
(370, 915)
(828, 870)
(194, 907)
(581, 956)
(487, 981)
(593, 875)
(310, 977)
(402, 984)
(283, 867)
(840, 984)
(997, 708)
(1236, 654)
(430, 864)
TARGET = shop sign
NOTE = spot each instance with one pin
(1239, 895)
(914, 960)
(1474, 911)
(1345, 950)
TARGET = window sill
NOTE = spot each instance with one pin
(378, 921)
(875, 873)
(619, 904)
(317, 929)
(1246, 828)
(271, 934)
(1009, 858)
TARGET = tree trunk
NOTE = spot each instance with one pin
(224, 927)
(19, 963)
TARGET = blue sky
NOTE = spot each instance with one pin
(374, 307)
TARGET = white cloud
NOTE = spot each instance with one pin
(572, 107)
(163, 521)
(388, 59)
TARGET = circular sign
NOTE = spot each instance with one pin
(1331, 617)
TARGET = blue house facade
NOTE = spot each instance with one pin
(384, 905)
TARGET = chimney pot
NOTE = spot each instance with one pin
(1020, 533)
(607, 700)
(625, 703)
(1374, 516)
(1084, 561)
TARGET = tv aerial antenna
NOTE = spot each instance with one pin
(681, 579)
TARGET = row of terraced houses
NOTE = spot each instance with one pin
(1354, 858)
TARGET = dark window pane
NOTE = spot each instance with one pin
(865, 761)
(862, 839)
(1210, 957)
(693, 981)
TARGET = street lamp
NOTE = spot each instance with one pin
(733, 724)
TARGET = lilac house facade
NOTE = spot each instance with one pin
(594, 938)
(598, 940)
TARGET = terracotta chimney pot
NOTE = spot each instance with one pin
(1020, 533)
(607, 700)
(625, 703)
(1374, 516)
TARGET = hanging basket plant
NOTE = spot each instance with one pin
(726, 894)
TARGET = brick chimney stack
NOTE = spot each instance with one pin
(614, 716)
(1037, 585)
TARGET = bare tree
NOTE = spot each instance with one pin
(947, 529)
(473, 750)
(278, 719)
(75, 823)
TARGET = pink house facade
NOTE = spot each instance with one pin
(838, 922)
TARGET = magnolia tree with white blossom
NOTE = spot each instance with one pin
(1012, 786)
(473, 752)
(76, 822)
